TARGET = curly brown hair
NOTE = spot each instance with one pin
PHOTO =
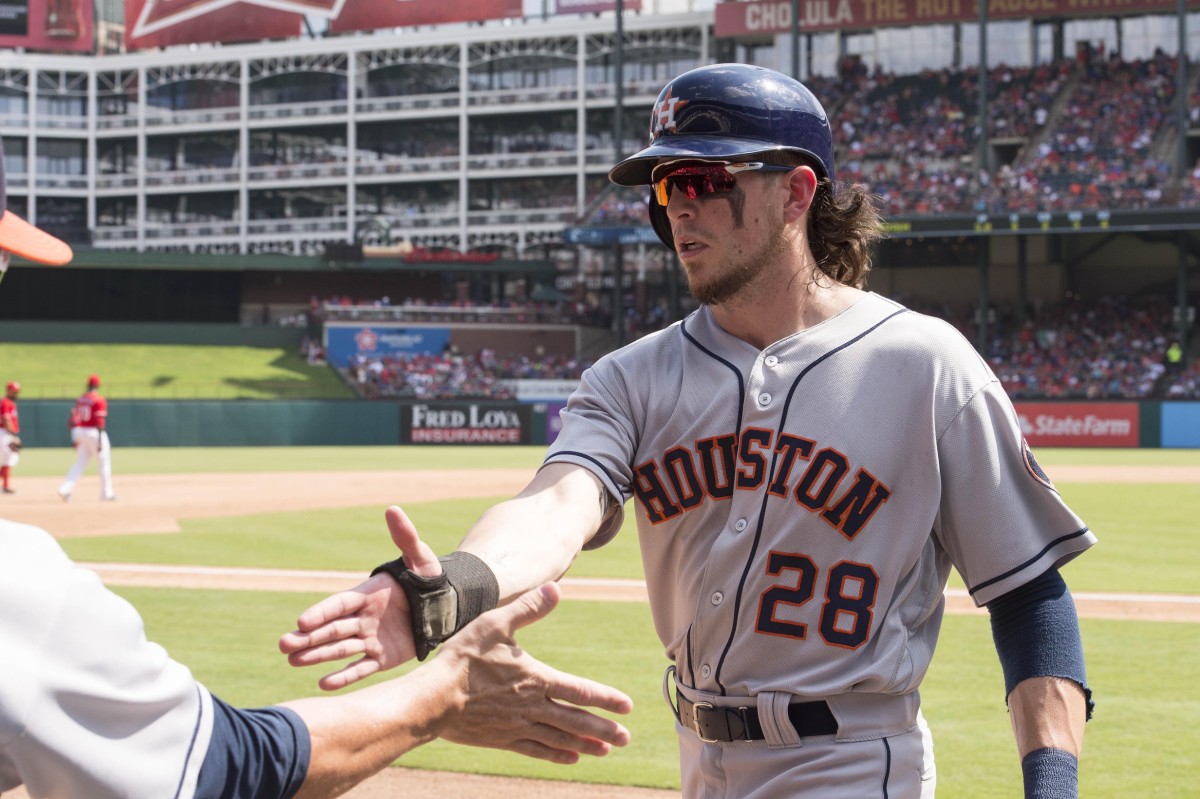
(843, 226)
(843, 223)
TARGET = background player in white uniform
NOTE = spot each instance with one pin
(807, 460)
(89, 709)
(89, 436)
(10, 436)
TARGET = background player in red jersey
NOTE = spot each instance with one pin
(89, 418)
(10, 435)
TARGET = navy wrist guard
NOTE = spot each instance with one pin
(441, 606)
(1050, 774)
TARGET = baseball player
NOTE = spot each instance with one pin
(10, 435)
(90, 708)
(807, 462)
(89, 418)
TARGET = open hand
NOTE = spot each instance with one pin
(372, 619)
(511, 700)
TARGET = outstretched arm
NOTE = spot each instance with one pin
(535, 536)
(524, 541)
(1036, 631)
(482, 690)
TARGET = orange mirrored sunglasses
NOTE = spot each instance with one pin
(706, 177)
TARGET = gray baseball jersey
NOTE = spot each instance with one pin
(800, 507)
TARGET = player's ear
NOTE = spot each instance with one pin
(801, 183)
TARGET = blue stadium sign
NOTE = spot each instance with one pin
(601, 236)
(345, 341)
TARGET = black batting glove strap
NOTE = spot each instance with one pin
(443, 605)
(1050, 774)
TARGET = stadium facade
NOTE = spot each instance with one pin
(492, 140)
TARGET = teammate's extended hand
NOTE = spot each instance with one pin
(512, 701)
(371, 619)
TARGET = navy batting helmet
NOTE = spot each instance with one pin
(735, 112)
(729, 112)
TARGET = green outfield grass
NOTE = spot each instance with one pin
(1142, 743)
(1147, 532)
(167, 371)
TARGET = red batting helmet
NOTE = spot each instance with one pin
(94, 381)
(13, 388)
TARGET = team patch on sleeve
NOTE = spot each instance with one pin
(1034, 467)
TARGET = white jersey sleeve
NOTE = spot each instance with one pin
(88, 707)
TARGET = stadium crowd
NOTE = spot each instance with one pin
(1100, 152)
(452, 375)
(1108, 348)
(1113, 348)
(1080, 134)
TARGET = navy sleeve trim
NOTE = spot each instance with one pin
(1056, 542)
(254, 754)
(626, 493)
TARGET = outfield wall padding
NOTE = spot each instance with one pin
(223, 423)
(217, 423)
(257, 423)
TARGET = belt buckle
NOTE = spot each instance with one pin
(696, 708)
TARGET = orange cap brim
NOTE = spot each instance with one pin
(23, 239)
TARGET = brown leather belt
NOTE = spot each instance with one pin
(726, 724)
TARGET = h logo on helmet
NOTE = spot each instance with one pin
(662, 118)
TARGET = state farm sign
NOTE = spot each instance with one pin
(1079, 424)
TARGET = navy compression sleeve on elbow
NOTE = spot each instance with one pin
(1036, 631)
(254, 754)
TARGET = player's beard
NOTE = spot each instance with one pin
(743, 272)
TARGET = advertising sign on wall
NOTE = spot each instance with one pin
(51, 25)
(159, 23)
(1079, 424)
(775, 16)
(465, 423)
(343, 342)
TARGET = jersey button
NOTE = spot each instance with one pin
(764, 399)
(705, 670)
(740, 525)
(717, 597)
(771, 360)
